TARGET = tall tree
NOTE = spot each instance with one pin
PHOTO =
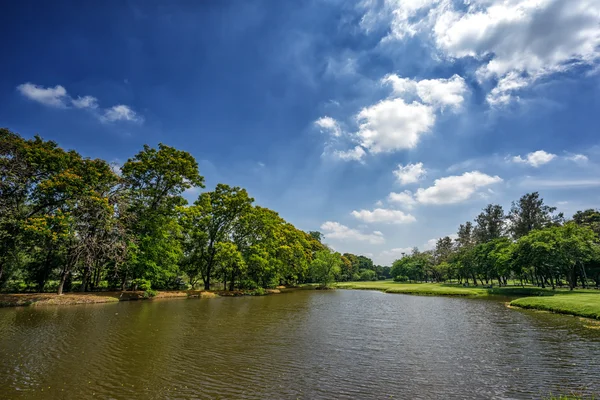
(489, 224)
(531, 213)
(155, 180)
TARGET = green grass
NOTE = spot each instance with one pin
(580, 304)
(442, 289)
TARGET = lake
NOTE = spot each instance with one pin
(304, 344)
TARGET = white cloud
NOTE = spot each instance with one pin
(85, 102)
(329, 125)
(58, 97)
(392, 125)
(336, 231)
(516, 42)
(436, 92)
(52, 96)
(535, 159)
(355, 154)
(383, 215)
(455, 189)
(120, 112)
(409, 173)
(403, 199)
(578, 158)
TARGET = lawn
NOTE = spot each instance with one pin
(442, 289)
(580, 304)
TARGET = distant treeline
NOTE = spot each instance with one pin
(531, 244)
(74, 223)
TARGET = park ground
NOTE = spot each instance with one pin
(72, 298)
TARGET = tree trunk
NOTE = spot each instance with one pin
(123, 282)
(86, 274)
(207, 282)
(232, 282)
(63, 279)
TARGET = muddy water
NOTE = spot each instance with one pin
(304, 344)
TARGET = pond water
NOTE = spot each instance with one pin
(303, 344)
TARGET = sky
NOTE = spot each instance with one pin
(382, 124)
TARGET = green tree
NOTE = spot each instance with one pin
(154, 181)
(531, 213)
(489, 224)
(325, 266)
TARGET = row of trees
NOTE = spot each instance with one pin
(65, 219)
(531, 243)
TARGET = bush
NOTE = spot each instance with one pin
(368, 275)
(258, 292)
(401, 278)
(149, 293)
(248, 284)
(141, 284)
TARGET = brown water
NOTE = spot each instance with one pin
(304, 344)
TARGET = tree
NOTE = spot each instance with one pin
(217, 211)
(531, 213)
(589, 218)
(154, 180)
(325, 266)
(489, 224)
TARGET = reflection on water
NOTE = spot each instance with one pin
(305, 344)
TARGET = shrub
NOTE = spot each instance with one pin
(401, 278)
(368, 275)
(257, 292)
(149, 293)
(141, 284)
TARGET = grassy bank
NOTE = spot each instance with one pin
(441, 289)
(581, 304)
(41, 299)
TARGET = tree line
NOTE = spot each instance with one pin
(531, 244)
(73, 223)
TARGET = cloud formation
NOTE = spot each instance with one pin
(409, 173)
(382, 215)
(59, 98)
(516, 42)
(535, 158)
(455, 189)
(336, 231)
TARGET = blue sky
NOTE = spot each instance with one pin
(384, 124)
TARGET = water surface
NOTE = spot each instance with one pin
(304, 344)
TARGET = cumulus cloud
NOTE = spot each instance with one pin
(336, 231)
(516, 42)
(355, 154)
(382, 215)
(535, 159)
(578, 158)
(455, 189)
(403, 199)
(329, 125)
(120, 112)
(393, 124)
(409, 173)
(439, 93)
(58, 97)
(85, 102)
(51, 96)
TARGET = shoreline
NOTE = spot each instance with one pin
(53, 299)
(584, 303)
